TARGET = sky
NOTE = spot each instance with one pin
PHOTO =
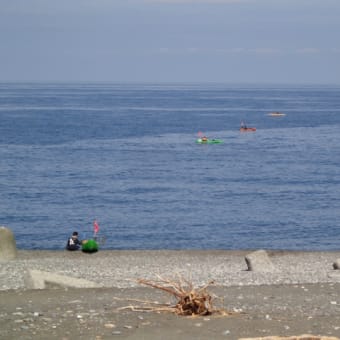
(229, 41)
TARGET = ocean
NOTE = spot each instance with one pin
(126, 155)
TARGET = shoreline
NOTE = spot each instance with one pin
(300, 297)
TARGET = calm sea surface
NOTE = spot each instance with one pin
(126, 155)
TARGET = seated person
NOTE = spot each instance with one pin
(73, 243)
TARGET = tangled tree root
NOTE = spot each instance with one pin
(189, 300)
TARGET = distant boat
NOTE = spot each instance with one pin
(276, 114)
(208, 141)
(247, 129)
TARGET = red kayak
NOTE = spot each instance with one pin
(247, 129)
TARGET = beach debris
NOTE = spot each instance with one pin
(189, 301)
(294, 337)
(259, 261)
(8, 248)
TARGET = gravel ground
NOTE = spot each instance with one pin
(301, 297)
(121, 268)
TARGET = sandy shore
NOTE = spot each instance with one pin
(301, 296)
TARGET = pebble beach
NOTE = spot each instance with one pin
(121, 269)
(301, 296)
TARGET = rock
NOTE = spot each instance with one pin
(8, 248)
(297, 337)
(36, 279)
(336, 264)
(109, 325)
(259, 261)
(116, 333)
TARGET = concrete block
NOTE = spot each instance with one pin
(36, 279)
(8, 248)
(259, 261)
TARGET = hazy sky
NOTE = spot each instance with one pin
(280, 41)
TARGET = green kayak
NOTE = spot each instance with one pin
(91, 246)
(209, 141)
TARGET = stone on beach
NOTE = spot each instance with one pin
(336, 264)
(8, 249)
(259, 261)
(37, 279)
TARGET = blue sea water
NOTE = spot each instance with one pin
(126, 155)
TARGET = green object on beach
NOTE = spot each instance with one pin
(91, 246)
(209, 141)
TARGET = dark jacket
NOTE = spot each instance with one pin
(73, 243)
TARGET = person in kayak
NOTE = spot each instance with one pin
(73, 243)
(204, 139)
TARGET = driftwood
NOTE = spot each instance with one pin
(188, 300)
